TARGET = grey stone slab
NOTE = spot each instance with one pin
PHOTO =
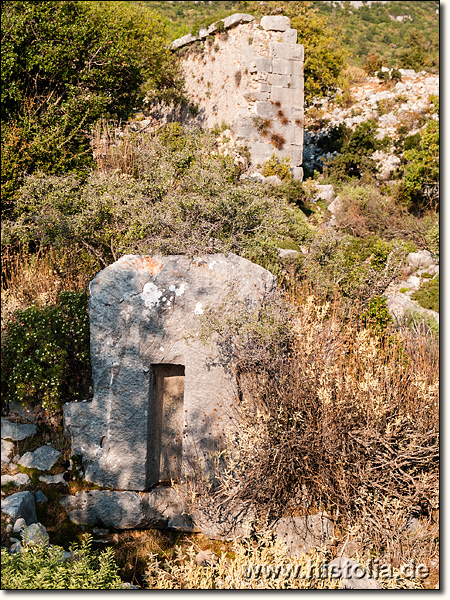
(325, 192)
(183, 41)
(303, 534)
(275, 23)
(421, 260)
(263, 64)
(17, 431)
(279, 80)
(19, 505)
(53, 479)
(43, 458)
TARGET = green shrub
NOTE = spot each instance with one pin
(432, 238)
(428, 294)
(354, 160)
(45, 568)
(183, 199)
(377, 316)
(45, 355)
(275, 166)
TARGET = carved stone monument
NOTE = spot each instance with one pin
(162, 397)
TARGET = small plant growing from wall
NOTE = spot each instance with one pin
(262, 125)
(278, 141)
(237, 78)
(283, 119)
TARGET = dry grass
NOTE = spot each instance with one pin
(342, 419)
(38, 278)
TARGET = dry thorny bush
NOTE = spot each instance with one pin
(333, 416)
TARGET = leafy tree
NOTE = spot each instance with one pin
(324, 55)
(66, 64)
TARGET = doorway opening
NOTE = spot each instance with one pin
(165, 424)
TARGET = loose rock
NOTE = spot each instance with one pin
(16, 431)
(19, 479)
(43, 458)
(35, 535)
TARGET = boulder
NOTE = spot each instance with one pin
(7, 451)
(282, 253)
(43, 458)
(35, 535)
(21, 504)
(421, 260)
(16, 431)
(303, 534)
(325, 192)
(18, 479)
(352, 574)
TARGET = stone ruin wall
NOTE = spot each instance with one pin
(249, 76)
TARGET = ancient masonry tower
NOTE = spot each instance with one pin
(249, 75)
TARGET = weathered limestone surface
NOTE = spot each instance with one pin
(43, 458)
(16, 431)
(145, 312)
(253, 72)
(302, 534)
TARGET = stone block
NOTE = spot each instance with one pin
(16, 431)
(284, 66)
(19, 505)
(236, 19)
(303, 534)
(279, 80)
(275, 23)
(243, 128)
(325, 192)
(290, 36)
(264, 64)
(141, 310)
(297, 173)
(260, 152)
(265, 110)
(421, 260)
(289, 98)
(286, 51)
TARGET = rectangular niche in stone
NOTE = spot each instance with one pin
(166, 422)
